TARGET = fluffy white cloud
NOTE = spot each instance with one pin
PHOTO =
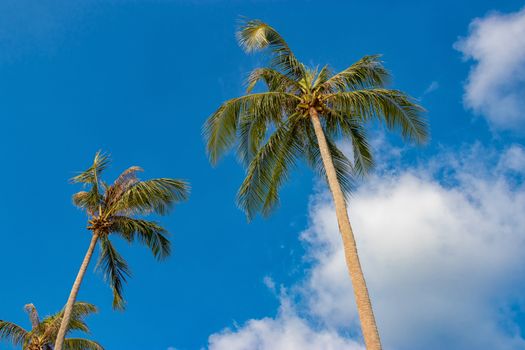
(443, 250)
(496, 83)
(286, 331)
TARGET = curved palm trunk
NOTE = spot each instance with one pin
(73, 295)
(364, 306)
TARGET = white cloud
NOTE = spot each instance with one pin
(286, 331)
(269, 283)
(442, 247)
(496, 84)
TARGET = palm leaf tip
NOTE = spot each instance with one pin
(252, 35)
(12, 332)
(81, 344)
(89, 176)
(82, 309)
(156, 195)
(149, 233)
(115, 270)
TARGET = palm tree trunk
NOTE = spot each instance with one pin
(73, 295)
(364, 306)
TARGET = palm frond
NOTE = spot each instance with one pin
(148, 232)
(90, 200)
(87, 200)
(220, 129)
(50, 325)
(368, 72)
(255, 35)
(82, 309)
(155, 195)
(392, 107)
(268, 169)
(343, 166)
(322, 77)
(91, 174)
(81, 344)
(115, 270)
(274, 81)
(252, 132)
(351, 128)
(125, 180)
(12, 332)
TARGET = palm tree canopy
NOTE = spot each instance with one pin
(117, 209)
(43, 332)
(272, 129)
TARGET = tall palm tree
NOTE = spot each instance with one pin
(112, 211)
(43, 332)
(300, 113)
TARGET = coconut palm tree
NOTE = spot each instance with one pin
(300, 113)
(112, 212)
(43, 332)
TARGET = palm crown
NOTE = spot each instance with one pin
(43, 332)
(273, 130)
(114, 210)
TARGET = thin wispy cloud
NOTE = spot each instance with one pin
(431, 88)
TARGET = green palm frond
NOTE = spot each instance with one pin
(255, 35)
(150, 196)
(343, 166)
(323, 76)
(12, 332)
(221, 127)
(366, 73)
(363, 158)
(351, 128)
(268, 169)
(392, 107)
(274, 81)
(148, 232)
(255, 122)
(82, 310)
(81, 344)
(251, 134)
(50, 325)
(90, 200)
(115, 270)
(91, 174)
(87, 200)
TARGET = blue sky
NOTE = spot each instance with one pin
(138, 79)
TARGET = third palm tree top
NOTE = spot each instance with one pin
(301, 114)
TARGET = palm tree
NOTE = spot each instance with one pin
(43, 332)
(300, 114)
(112, 211)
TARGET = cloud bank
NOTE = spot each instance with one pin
(442, 247)
(495, 87)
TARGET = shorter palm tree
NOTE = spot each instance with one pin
(117, 210)
(43, 332)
